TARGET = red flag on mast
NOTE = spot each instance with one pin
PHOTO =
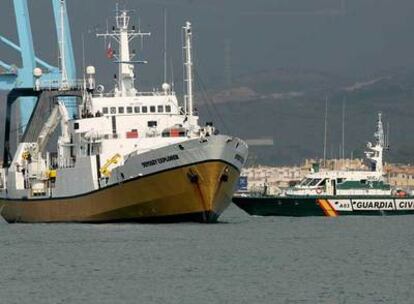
(109, 51)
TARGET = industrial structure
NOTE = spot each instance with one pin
(32, 68)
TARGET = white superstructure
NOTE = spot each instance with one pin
(128, 120)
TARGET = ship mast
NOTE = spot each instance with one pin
(188, 63)
(123, 35)
(375, 156)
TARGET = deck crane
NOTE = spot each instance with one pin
(37, 170)
(14, 77)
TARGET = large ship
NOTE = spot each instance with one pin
(336, 192)
(127, 156)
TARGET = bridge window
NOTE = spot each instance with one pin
(152, 109)
(113, 110)
(129, 110)
(152, 123)
(340, 180)
(121, 110)
(305, 181)
(315, 182)
(144, 109)
(160, 109)
(105, 110)
(136, 109)
(168, 109)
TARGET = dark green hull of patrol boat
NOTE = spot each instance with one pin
(331, 206)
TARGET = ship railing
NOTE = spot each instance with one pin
(137, 94)
(67, 163)
(51, 84)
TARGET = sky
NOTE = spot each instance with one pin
(346, 37)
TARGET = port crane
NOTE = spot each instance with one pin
(13, 77)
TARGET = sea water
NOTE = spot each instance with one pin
(242, 259)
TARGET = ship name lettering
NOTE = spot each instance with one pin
(406, 205)
(161, 160)
(374, 205)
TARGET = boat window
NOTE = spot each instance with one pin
(152, 123)
(314, 182)
(129, 110)
(305, 181)
(322, 183)
(168, 109)
(152, 109)
(144, 109)
(121, 110)
(136, 109)
(160, 109)
(105, 110)
(340, 180)
(308, 182)
(113, 110)
(363, 181)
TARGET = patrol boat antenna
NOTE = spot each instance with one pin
(123, 35)
(188, 98)
(375, 156)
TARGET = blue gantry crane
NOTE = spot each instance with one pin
(14, 77)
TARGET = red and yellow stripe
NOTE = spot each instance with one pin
(327, 208)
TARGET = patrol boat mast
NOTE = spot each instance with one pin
(375, 156)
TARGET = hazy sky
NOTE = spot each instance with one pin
(353, 37)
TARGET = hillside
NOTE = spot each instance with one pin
(289, 106)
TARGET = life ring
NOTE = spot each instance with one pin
(318, 190)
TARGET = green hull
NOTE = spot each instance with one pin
(324, 206)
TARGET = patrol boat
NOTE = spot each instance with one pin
(333, 193)
(128, 155)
